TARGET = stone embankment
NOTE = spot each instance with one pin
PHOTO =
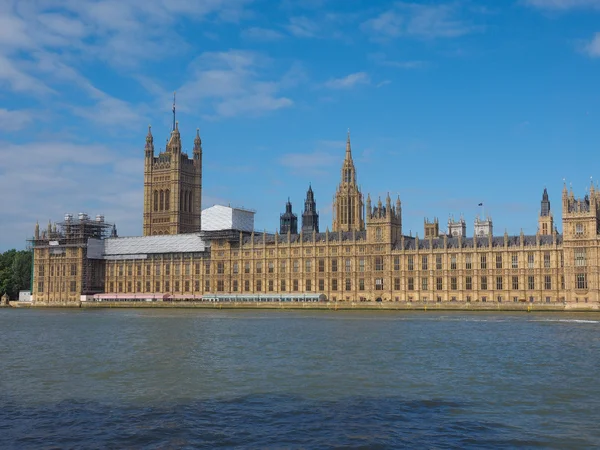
(335, 306)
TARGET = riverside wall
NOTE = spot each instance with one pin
(335, 306)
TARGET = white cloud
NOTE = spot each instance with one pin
(563, 4)
(261, 34)
(348, 81)
(382, 60)
(420, 21)
(235, 83)
(303, 27)
(14, 120)
(592, 48)
(43, 180)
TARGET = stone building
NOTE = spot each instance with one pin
(172, 186)
(365, 257)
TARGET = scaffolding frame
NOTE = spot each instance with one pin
(74, 232)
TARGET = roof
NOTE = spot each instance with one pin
(334, 236)
(481, 242)
(140, 245)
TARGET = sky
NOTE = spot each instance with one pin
(449, 104)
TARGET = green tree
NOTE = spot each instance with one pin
(15, 272)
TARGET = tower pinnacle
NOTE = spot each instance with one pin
(173, 111)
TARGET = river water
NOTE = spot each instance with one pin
(288, 379)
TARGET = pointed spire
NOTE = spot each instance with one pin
(197, 144)
(149, 142)
(348, 147)
(37, 230)
(174, 121)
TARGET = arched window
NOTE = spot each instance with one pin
(155, 200)
(167, 199)
(190, 196)
(181, 206)
(167, 232)
(162, 200)
(185, 201)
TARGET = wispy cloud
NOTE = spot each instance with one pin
(234, 83)
(592, 48)
(262, 34)
(60, 176)
(14, 120)
(348, 81)
(419, 21)
(563, 4)
(381, 59)
(303, 27)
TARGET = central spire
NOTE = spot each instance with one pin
(348, 149)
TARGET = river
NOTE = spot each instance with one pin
(292, 379)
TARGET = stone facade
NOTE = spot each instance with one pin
(365, 257)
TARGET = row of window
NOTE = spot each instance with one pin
(58, 270)
(581, 283)
(57, 286)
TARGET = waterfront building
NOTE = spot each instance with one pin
(365, 257)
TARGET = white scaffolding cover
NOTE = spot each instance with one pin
(220, 217)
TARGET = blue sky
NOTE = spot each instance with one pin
(449, 104)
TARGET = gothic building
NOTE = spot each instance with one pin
(366, 256)
(172, 186)
(348, 208)
(288, 221)
(310, 216)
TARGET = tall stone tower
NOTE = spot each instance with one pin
(310, 216)
(348, 209)
(172, 186)
(581, 229)
(545, 221)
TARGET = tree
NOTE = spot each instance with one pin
(15, 272)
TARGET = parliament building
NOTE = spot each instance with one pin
(187, 254)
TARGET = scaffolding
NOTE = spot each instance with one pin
(74, 233)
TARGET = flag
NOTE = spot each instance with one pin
(481, 204)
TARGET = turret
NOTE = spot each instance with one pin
(37, 230)
(310, 216)
(149, 149)
(197, 145)
(545, 221)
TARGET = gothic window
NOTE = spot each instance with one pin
(167, 199)
(579, 228)
(546, 260)
(580, 257)
(424, 262)
(162, 200)
(530, 260)
(581, 281)
(378, 233)
(190, 202)
(155, 200)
